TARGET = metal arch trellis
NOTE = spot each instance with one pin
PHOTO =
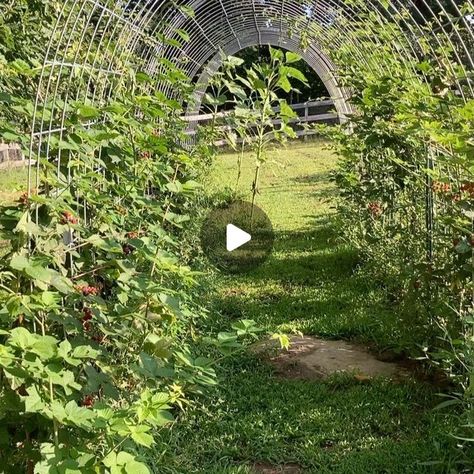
(102, 271)
(116, 30)
(95, 41)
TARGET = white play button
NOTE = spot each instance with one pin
(236, 237)
(227, 246)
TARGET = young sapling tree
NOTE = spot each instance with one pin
(261, 109)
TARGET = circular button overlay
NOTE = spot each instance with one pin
(237, 237)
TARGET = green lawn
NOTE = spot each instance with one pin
(13, 183)
(310, 284)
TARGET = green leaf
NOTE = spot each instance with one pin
(58, 411)
(157, 346)
(187, 10)
(64, 349)
(283, 340)
(43, 276)
(233, 62)
(59, 282)
(51, 299)
(11, 137)
(117, 108)
(21, 66)
(182, 34)
(285, 110)
(6, 356)
(61, 377)
(236, 90)
(227, 337)
(140, 435)
(19, 262)
(191, 186)
(87, 111)
(175, 187)
(108, 245)
(67, 145)
(85, 352)
(276, 54)
(285, 84)
(27, 226)
(45, 347)
(33, 401)
(294, 73)
(22, 338)
(135, 467)
(172, 303)
(292, 57)
(124, 463)
(161, 418)
(78, 416)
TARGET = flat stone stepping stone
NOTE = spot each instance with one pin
(311, 358)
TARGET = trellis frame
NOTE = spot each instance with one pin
(94, 41)
(112, 32)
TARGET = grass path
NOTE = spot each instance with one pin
(310, 284)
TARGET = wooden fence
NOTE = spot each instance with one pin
(10, 153)
(319, 111)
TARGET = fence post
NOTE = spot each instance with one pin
(306, 115)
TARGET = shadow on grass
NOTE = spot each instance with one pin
(339, 425)
(311, 284)
(320, 177)
(312, 188)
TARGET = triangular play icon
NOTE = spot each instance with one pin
(236, 237)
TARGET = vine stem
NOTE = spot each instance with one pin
(94, 270)
(51, 394)
(153, 267)
(239, 162)
(117, 446)
(260, 146)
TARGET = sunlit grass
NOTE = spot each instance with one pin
(13, 182)
(309, 284)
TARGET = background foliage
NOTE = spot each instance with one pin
(98, 302)
(406, 192)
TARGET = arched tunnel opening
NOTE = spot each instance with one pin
(236, 236)
(312, 91)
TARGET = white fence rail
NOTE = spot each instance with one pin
(306, 106)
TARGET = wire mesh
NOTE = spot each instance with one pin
(95, 42)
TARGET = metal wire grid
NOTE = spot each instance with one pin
(254, 27)
(95, 41)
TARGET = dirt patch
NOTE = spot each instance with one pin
(263, 468)
(311, 358)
